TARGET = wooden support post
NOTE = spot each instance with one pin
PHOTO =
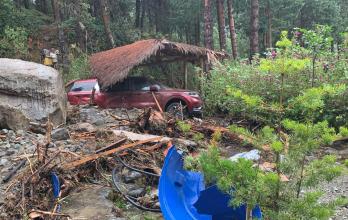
(201, 74)
(185, 73)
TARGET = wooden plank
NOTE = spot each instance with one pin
(185, 73)
(111, 146)
(158, 105)
(88, 158)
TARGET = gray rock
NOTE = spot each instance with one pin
(330, 150)
(343, 153)
(20, 132)
(30, 92)
(99, 122)
(17, 146)
(3, 161)
(90, 203)
(136, 192)
(6, 146)
(185, 142)
(10, 152)
(11, 135)
(132, 176)
(85, 127)
(60, 134)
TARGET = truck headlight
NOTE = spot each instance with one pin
(193, 94)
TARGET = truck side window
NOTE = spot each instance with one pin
(120, 86)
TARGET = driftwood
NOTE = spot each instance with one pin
(88, 158)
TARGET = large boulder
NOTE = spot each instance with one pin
(30, 92)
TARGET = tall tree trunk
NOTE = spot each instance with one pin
(158, 7)
(254, 28)
(26, 4)
(232, 29)
(42, 6)
(106, 20)
(17, 3)
(80, 28)
(197, 31)
(161, 14)
(269, 24)
(55, 9)
(137, 13)
(61, 36)
(208, 25)
(150, 5)
(95, 8)
(143, 12)
(221, 24)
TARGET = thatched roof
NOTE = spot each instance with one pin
(112, 66)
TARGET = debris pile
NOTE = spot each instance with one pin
(93, 144)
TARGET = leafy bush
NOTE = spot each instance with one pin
(198, 137)
(14, 43)
(183, 126)
(282, 86)
(79, 69)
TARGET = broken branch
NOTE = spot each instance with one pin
(86, 159)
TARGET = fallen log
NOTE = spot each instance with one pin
(74, 164)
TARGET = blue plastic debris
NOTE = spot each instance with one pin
(55, 184)
(56, 188)
(183, 195)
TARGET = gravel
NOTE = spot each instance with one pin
(333, 190)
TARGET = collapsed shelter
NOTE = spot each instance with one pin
(114, 65)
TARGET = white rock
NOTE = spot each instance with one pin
(251, 155)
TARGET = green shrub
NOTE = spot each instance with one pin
(248, 184)
(79, 69)
(282, 87)
(14, 43)
(198, 137)
(183, 126)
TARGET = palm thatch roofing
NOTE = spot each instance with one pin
(114, 65)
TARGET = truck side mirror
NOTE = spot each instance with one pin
(154, 88)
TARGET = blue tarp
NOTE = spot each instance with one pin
(183, 195)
